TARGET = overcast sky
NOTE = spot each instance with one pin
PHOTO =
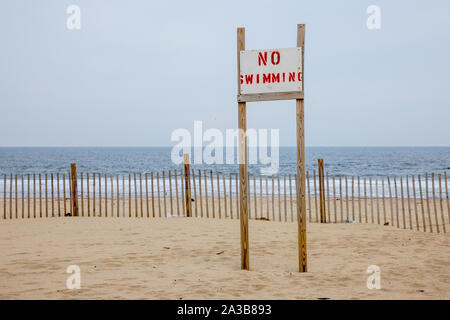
(137, 70)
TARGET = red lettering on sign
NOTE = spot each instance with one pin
(266, 77)
(262, 58)
(275, 77)
(275, 57)
(299, 76)
(284, 77)
(291, 76)
(248, 79)
(242, 79)
(257, 78)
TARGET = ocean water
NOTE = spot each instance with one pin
(365, 162)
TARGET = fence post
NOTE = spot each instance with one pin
(323, 218)
(187, 184)
(73, 172)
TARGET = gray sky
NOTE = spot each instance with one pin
(139, 69)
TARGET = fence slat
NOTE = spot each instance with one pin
(254, 191)
(218, 198)
(434, 202)
(334, 200)
(365, 200)
(403, 202)
(170, 192)
(206, 194)
(353, 198)
(231, 195)
(23, 197)
(441, 205)
(153, 194)
(285, 202)
(383, 199)
(200, 191)
(446, 195)
(112, 195)
(183, 189)
(177, 194)
(415, 202)
(390, 198)
(309, 195)
(377, 200)
(347, 203)
(279, 198)
(428, 202)
(315, 196)
(237, 198)
(28, 193)
(106, 195)
(371, 200)
(212, 194)
(40, 196)
(195, 192)
(46, 196)
(290, 198)
(224, 195)
(273, 200)
(409, 202)
(140, 195)
(341, 198)
(261, 195)
(359, 199)
(421, 204)
(396, 202)
(267, 196)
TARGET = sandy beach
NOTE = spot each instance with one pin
(195, 258)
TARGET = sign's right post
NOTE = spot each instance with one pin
(301, 201)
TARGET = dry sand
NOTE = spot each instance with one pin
(194, 258)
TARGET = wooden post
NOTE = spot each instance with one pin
(64, 193)
(73, 172)
(136, 196)
(237, 197)
(11, 196)
(194, 184)
(290, 198)
(440, 204)
(231, 195)
(320, 169)
(377, 200)
(334, 200)
(279, 198)
(365, 200)
(4, 197)
(129, 196)
(183, 200)
(428, 202)
(285, 200)
(118, 197)
(273, 200)
(200, 191)
(146, 193)
(57, 194)
(212, 194)
(328, 199)
(267, 196)
(176, 192)
(112, 195)
(434, 202)
(153, 194)
(403, 202)
(82, 197)
(243, 190)
(225, 195)
(218, 195)
(106, 194)
(422, 205)
(206, 194)
(309, 194)
(415, 201)
(28, 193)
(23, 196)
(164, 193)
(99, 195)
(170, 194)
(391, 200)
(409, 202)
(359, 200)
(15, 199)
(341, 198)
(353, 198)
(383, 199)
(187, 185)
(315, 196)
(446, 195)
(371, 199)
(140, 194)
(93, 195)
(255, 197)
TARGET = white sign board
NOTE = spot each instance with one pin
(271, 70)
